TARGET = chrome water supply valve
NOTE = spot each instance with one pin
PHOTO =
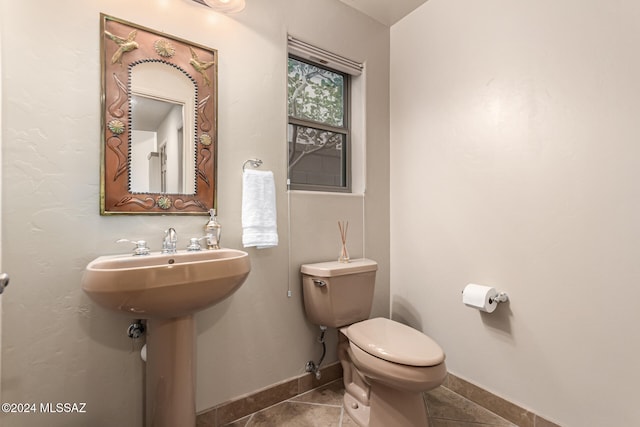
(136, 330)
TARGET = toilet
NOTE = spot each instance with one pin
(386, 365)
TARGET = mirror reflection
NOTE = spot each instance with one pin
(162, 109)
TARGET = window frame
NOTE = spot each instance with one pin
(344, 130)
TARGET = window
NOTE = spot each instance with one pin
(319, 136)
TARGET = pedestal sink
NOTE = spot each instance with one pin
(167, 289)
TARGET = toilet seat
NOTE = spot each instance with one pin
(395, 342)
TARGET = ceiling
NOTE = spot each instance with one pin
(387, 12)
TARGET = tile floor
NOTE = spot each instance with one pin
(322, 407)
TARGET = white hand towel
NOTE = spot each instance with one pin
(259, 219)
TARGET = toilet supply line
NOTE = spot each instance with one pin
(313, 367)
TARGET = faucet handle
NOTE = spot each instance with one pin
(194, 243)
(141, 246)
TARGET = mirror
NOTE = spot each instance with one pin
(163, 156)
(158, 122)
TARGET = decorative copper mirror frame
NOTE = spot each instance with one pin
(122, 46)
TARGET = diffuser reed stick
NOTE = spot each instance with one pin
(344, 254)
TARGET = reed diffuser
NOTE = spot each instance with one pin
(344, 254)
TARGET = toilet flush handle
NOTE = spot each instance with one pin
(319, 283)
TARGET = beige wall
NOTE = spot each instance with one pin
(515, 163)
(57, 345)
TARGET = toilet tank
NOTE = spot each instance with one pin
(338, 294)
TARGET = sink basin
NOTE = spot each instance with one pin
(165, 285)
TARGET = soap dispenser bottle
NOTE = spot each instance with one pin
(212, 230)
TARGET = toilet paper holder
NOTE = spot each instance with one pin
(501, 297)
(483, 298)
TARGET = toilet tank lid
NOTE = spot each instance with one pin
(335, 268)
(395, 342)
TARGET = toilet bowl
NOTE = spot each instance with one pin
(398, 363)
(386, 365)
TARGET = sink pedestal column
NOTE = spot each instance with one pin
(171, 364)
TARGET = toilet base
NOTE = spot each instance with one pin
(389, 407)
(392, 407)
(358, 412)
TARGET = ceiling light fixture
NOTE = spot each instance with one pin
(224, 6)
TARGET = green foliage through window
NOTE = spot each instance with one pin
(318, 126)
(315, 93)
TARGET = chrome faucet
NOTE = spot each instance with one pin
(170, 241)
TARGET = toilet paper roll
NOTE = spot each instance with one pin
(480, 297)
